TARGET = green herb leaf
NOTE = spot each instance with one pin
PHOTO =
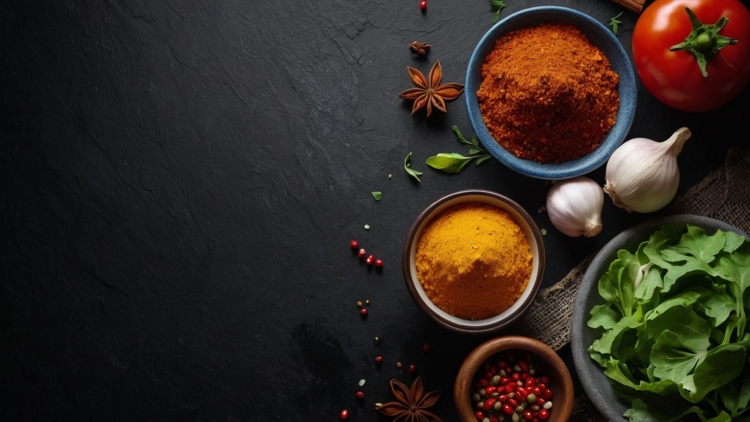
(614, 22)
(449, 162)
(482, 159)
(475, 151)
(497, 6)
(377, 195)
(460, 136)
(407, 166)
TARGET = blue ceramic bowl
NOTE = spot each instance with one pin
(598, 35)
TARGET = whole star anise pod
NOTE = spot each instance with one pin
(411, 403)
(430, 93)
(419, 48)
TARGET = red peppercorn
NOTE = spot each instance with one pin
(545, 379)
(361, 253)
(354, 244)
(489, 403)
(547, 393)
(378, 359)
(540, 401)
(503, 398)
(509, 388)
(528, 415)
(507, 409)
(537, 391)
(360, 395)
(483, 382)
(491, 389)
(370, 260)
(423, 5)
(535, 420)
(363, 311)
(379, 263)
(479, 415)
(505, 380)
(344, 414)
(513, 402)
(516, 376)
(494, 419)
(543, 414)
(412, 368)
(426, 347)
(524, 366)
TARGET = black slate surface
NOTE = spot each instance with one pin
(181, 181)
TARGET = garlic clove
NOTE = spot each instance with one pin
(574, 207)
(643, 175)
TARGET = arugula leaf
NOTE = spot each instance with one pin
(675, 338)
(496, 5)
(377, 195)
(407, 166)
(614, 22)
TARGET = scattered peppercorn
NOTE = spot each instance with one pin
(360, 395)
(379, 263)
(367, 301)
(412, 368)
(370, 260)
(398, 364)
(423, 5)
(363, 311)
(361, 253)
(426, 347)
(354, 244)
(378, 359)
(359, 303)
(344, 414)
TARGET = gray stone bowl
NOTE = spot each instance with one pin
(592, 377)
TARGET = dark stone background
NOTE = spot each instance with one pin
(181, 180)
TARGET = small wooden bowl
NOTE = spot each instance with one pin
(560, 380)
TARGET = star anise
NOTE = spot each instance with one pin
(430, 93)
(419, 48)
(411, 403)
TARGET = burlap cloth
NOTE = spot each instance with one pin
(724, 195)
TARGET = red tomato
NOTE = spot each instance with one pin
(674, 77)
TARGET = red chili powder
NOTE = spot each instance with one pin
(547, 94)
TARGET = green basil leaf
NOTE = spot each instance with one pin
(407, 166)
(473, 151)
(449, 162)
(377, 195)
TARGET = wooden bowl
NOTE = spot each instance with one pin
(561, 383)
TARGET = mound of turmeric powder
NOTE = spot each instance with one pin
(473, 260)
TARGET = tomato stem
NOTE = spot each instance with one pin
(704, 40)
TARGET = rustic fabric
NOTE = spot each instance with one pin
(724, 195)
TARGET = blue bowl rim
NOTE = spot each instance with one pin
(626, 87)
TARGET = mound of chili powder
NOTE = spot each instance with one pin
(547, 94)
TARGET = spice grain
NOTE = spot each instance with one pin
(548, 94)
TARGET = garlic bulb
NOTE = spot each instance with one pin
(642, 175)
(575, 206)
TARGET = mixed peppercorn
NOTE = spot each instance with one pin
(512, 386)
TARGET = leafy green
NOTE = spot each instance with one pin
(377, 195)
(614, 22)
(673, 331)
(454, 163)
(497, 6)
(407, 166)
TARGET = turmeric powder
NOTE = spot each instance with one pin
(548, 94)
(473, 260)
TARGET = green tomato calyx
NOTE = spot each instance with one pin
(704, 41)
